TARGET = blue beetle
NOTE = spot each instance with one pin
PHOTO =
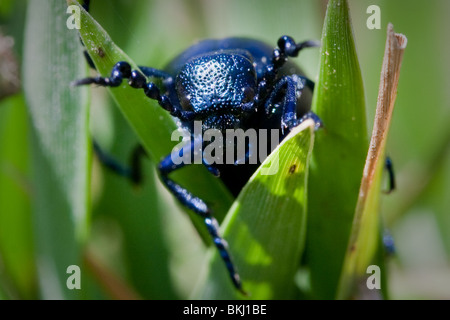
(232, 83)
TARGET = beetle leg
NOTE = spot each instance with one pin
(167, 165)
(287, 91)
(133, 172)
(390, 169)
(136, 164)
(122, 70)
(388, 243)
(197, 205)
(86, 5)
(152, 72)
(311, 115)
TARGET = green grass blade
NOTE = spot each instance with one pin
(339, 153)
(60, 144)
(266, 226)
(16, 237)
(149, 121)
(140, 216)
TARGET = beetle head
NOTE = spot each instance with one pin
(219, 87)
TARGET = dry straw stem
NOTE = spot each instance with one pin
(395, 46)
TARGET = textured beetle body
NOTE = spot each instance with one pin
(258, 53)
(232, 66)
(234, 83)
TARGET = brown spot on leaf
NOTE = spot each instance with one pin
(100, 52)
(292, 169)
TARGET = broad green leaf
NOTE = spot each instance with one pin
(149, 121)
(60, 144)
(266, 226)
(339, 153)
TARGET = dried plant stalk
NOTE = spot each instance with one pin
(395, 46)
(368, 193)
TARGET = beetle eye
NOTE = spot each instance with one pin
(185, 101)
(249, 94)
(185, 98)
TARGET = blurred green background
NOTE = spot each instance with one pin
(129, 252)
